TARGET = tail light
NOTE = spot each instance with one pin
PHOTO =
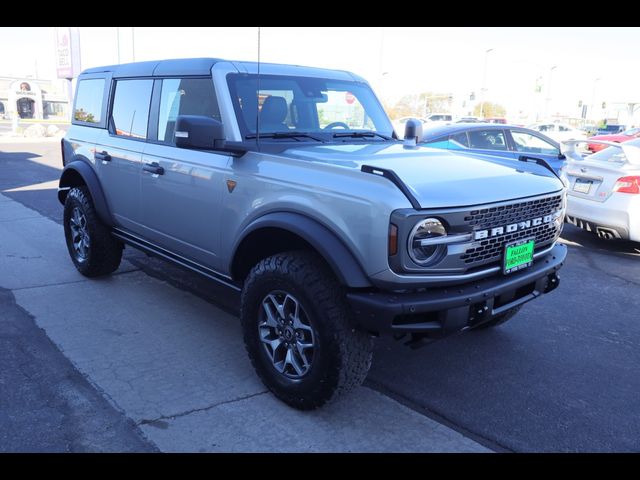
(627, 185)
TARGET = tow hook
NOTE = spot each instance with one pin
(552, 282)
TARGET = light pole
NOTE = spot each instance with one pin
(593, 96)
(484, 81)
(546, 107)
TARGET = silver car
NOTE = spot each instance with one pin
(604, 190)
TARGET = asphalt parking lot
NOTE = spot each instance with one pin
(152, 359)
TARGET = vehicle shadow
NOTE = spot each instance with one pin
(578, 237)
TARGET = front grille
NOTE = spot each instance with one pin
(516, 212)
(491, 249)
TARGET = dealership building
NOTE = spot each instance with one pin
(33, 98)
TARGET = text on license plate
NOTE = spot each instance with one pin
(518, 255)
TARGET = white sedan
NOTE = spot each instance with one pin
(604, 189)
(559, 131)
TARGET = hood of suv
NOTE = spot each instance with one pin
(440, 178)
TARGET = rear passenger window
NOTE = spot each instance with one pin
(130, 113)
(487, 139)
(184, 96)
(88, 107)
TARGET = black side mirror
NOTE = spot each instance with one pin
(412, 132)
(196, 131)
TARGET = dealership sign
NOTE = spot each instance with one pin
(67, 52)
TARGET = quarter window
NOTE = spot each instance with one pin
(88, 107)
(130, 113)
(184, 96)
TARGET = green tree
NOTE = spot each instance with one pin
(490, 109)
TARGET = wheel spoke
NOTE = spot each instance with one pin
(301, 347)
(290, 359)
(271, 318)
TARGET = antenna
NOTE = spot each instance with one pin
(258, 97)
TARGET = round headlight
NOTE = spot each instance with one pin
(429, 228)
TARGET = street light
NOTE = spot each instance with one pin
(593, 97)
(484, 81)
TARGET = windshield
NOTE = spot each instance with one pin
(316, 107)
(631, 132)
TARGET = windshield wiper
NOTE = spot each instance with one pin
(367, 134)
(293, 135)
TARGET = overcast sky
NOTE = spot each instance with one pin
(395, 60)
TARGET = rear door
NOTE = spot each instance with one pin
(490, 141)
(180, 204)
(119, 148)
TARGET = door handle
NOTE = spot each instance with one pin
(154, 168)
(104, 156)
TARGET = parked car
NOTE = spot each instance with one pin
(500, 120)
(604, 190)
(399, 124)
(559, 131)
(469, 120)
(611, 129)
(332, 231)
(440, 117)
(495, 139)
(616, 138)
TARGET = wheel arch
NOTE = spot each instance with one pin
(282, 231)
(79, 173)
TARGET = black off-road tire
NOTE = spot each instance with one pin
(342, 354)
(499, 320)
(104, 252)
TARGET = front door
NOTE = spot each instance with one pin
(181, 189)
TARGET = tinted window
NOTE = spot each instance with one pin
(89, 95)
(184, 96)
(487, 139)
(131, 108)
(528, 143)
(459, 140)
(439, 142)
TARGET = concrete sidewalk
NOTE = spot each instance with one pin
(176, 365)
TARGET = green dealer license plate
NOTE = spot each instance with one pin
(518, 255)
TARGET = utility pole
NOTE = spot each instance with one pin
(593, 98)
(548, 99)
(484, 81)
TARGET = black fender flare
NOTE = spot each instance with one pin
(343, 263)
(80, 166)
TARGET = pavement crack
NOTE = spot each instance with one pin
(70, 282)
(147, 421)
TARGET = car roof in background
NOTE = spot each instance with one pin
(458, 127)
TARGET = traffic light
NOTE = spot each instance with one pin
(579, 103)
(604, 105)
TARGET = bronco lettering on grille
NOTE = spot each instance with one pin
(514, 227)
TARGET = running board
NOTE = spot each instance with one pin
(152, 249)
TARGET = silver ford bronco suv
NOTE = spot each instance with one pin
(289, 185)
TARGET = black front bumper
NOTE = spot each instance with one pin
(438, 311)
